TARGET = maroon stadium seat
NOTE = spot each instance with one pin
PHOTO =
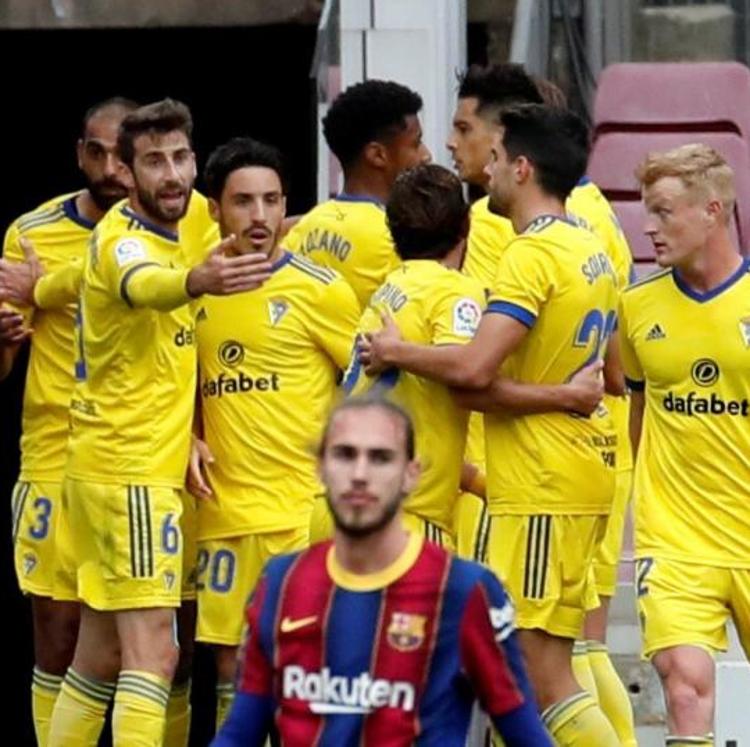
(615, 156)
(700, 96)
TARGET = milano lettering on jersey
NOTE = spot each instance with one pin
(322, 240)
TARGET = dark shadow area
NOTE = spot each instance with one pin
(237, 81)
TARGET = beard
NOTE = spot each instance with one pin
(150, 204)
(497, 206)
(106, 192)
(352, 528)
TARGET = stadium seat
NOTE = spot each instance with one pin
(701, 96)
(616, 155)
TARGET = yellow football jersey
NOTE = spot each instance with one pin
(270, 360)
(199, 232)
(590, 209)
(135, 364)
(691, 352)
(489, 234)
(350, 235)
(556, 279)
(59, 236)
(432, 305)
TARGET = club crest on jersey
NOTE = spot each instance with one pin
(406, 632)
(129, 250)
(466, 317)
(276, 310)
(745, 330)
(29, 563)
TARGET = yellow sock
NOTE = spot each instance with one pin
(578, 721)
(140, 709)
(613, 698)
(224, 699)
(582, 669)
(179, 712)
(704, 741)
(80, 708)
(45, 688)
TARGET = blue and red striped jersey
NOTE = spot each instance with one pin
(391, 659)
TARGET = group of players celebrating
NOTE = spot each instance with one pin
(317, 413)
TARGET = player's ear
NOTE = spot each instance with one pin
(715, 210)
(412, 475)
(375, 154)
(522, 169)
(213, 209)
(126, 175)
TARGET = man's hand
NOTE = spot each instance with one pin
(221, 274)
(586, 389)
(12, 330)
(196, 481)
(17, 279)
(375, 348)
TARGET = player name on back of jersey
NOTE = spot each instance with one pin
(391, 296)
(323, 240)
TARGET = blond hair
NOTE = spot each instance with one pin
(700, 168)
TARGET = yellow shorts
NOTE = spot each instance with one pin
(545, 563)
(228, 570)
(127, 544)
(189, 527)
(471, 526)
(689, 604)
(42, 551)
(321, 526)
(430, 531)
(607, 556)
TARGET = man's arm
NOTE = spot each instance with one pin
(582, 394)
(492, 660)
(148, 284)
(470, 366)
(13, 332)
(248, 722)
(614, 378)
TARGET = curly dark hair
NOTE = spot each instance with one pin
(372, 110)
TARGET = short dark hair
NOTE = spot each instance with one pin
(115, 103)
(554, 140)
(498, 86)
(364, 112)
(160, 117)
(236, 154)
(427, 213)
(373, 399)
